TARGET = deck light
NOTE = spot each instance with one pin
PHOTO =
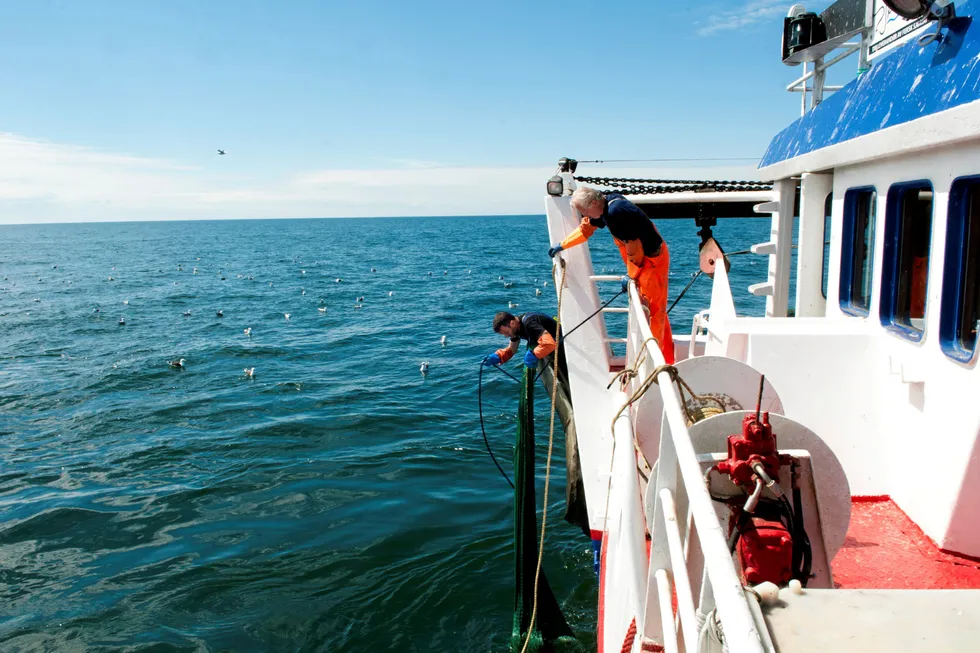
(912, 9)
(555, 186)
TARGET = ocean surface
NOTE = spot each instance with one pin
(338, 500)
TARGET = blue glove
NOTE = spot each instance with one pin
(626, 284)
(491, 360)
(554, 250)
(530, 359)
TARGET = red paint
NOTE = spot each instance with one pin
(756, 444)
(602, 589)
(884, 549)
(765, 550)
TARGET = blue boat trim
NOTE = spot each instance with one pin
(910, 83)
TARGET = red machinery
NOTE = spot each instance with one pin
(766, 531)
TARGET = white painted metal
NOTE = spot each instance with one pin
(732, 380)
(810, 301)
(685, 599)
(781, 233)
(615, 309)
(588, 357)
(677, 455)
(911, 621)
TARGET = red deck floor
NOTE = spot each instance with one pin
(884, 549)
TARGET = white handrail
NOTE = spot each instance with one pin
(741, 633)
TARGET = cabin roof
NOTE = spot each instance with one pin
(912, 82)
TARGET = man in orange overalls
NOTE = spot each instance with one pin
(643, 250)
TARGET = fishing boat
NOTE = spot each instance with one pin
(807, 479)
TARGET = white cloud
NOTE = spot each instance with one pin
(746, 15)
(42, 181)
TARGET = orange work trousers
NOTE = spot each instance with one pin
(650, 275)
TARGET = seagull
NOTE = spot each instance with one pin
(248, 332)
(391, 293)
(249, 372)
(37, 299)
(286, 316)
(302, 271)
(445, 272)
(545, 283)
(430, 274)
(374, 269)
(220, 313)
(126, 302)
(537, 292)
(512, 305)
(176, 364)
(508, 284)
(322, 309)
(442, 341)
(360, 299)
(424, 368)
(339, 280)
(221, 152)
(358, 305)
(111, 279)
(122, 321)
(187, 313)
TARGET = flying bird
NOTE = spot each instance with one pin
(221, 152)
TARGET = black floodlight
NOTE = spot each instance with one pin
(909, 9)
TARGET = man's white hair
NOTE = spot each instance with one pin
(583, 197)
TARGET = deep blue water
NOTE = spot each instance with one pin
(338, 500)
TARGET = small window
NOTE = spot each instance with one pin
(825, 271)
(858, 250)
(961, 274)
(905, 267)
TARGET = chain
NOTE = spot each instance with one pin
(629, 186)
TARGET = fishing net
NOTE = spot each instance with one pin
(549, 624)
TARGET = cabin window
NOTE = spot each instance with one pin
(960, 314)
(905, 266)
(858, 250)
(825, 269)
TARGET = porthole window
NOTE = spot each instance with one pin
(905, 264)
(857, 250)
(960, 313)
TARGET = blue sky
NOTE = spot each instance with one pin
(114, 110)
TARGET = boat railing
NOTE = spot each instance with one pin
(680, 543)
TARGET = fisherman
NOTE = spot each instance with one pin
(538, 329)
(542, 334)
(643, 250)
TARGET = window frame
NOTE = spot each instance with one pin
(847, 276)
(890, 274)
(954, 272)
(828, 210)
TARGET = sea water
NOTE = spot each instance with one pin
(337, 500)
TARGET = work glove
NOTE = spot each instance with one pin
(491, 360)
(554, 250)
(530, 359)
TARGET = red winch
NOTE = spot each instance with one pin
(767, 532)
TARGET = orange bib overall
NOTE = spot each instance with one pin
(650, 275)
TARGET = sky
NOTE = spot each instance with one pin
(116, 110)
